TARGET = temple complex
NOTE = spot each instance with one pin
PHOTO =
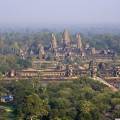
(70, 59)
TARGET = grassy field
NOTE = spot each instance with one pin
(6, 112)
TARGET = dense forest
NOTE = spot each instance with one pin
(15, 40)
(82, 99)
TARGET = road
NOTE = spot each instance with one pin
(106, 83)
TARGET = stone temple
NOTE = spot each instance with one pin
(69, 57)
(71, 49)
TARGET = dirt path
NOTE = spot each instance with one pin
(106, 83)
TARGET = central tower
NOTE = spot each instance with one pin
(53, 42)
(66, 38)
(79, 42)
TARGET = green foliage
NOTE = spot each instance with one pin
(105, 41)
(17, 40)
(24, 63)
(34, 107)
(8, 62)
(83, 99)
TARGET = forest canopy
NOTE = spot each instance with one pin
(82, 99)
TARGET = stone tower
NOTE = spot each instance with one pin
(79, 42)
(53, 42)
(93, 68)
(93, 51)
(41, 52)
(68, 71)
(66, 38)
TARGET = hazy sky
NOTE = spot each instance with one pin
(43, 12)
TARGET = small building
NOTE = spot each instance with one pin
(11, 73)
(7, 98)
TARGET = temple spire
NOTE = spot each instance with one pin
(41, 52)
(79, 42)
(53, 42)
(66, 38)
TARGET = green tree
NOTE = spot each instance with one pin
(34, 107)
